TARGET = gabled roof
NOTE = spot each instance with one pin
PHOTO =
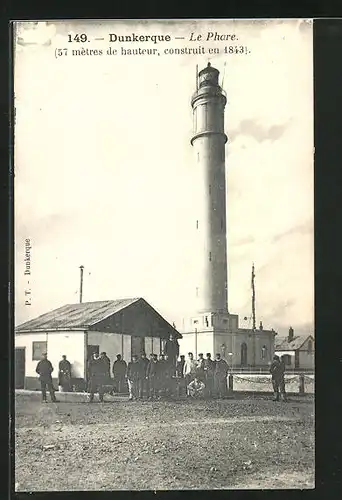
(283, 344)
(93, 315)
(76, 316)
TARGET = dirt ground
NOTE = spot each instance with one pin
(242, 443)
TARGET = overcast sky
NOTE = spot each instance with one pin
(104, 169)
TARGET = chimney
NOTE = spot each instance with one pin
(291, 334)
(261, 326)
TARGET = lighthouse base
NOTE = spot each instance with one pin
(219, 333)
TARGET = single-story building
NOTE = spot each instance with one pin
(298, 351)
(124, 326)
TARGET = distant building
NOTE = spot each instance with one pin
(125, 326)
(298, 350)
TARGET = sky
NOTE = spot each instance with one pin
(104, 169)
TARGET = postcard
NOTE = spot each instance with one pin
(164, 254)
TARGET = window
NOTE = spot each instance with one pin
(263, 352)
(197, 224)
(287, 359)
(209, 188)
(206, 321)
(210, 256)
(310, 346)
(195, 321)
(38, 348)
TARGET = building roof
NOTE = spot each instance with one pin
(86, 315)
(283, 343)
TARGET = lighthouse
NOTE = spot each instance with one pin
(209, 327)
(208, 142)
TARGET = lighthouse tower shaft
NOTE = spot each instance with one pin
(208, 141)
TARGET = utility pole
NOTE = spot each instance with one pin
(81, 283)
(253, 299)
(253, 314)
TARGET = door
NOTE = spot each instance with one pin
(137, 345)
(19, 374)
(244, 354)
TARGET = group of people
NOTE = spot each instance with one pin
(155, 377)
(159, 376)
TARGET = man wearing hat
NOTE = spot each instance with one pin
(44, 369)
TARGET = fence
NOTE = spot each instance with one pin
(301, 383)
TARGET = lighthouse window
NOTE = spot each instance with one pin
(206, 321)
(209, 188)
(197, 224)
(210, 256)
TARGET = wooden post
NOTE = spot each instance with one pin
(301, 385)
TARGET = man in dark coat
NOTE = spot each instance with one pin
(64, 374)
(97, 376)
(152, 375)
(172, 351)
(119, 373)
(180, 367)
(209, 370)
(220, 376)
(133, 377)
(161, 371)
(282, 368)
(143, 380)
(200, 367)
(275, 370)
(44, 369)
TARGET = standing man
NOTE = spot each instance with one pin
(189, 369)
(64, 374)
(180, 367)
(107, 378)
(200, 367)
(275, 371)
(220, 376)
(152, 375)
(143, 381)
(172, 351)
(133, 377)
(209, 370)
(44, 369)
(161, 370)
(97, 374)
(282, 368)
(106, 362)
(119, 373)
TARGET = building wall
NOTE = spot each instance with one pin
(72, 345)
(187, 344)
(25, 340)
(306, 359)
(112, 344)
(58, 343)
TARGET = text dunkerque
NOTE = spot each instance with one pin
(193, 37)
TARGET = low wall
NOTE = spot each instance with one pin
(262, 383)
